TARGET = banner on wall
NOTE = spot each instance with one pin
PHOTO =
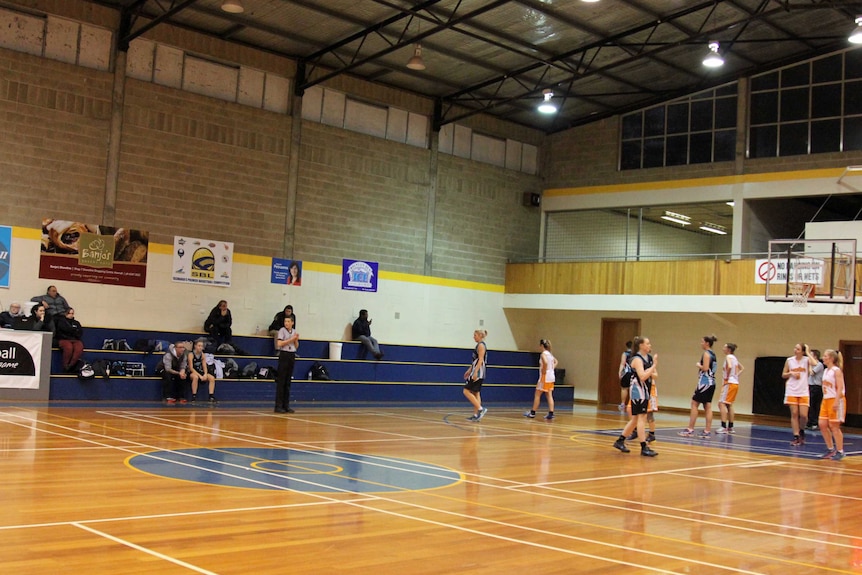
(80, 252)
(359, 275)
(5, 255)
(20, 359)
(286, 272)
(200, 261)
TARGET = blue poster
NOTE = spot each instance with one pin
(286, 272)
(358, 275)
(5, 254)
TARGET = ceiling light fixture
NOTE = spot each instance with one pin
(416, 62)
(856, 36)
(714, 228)
(232, 6)
(730, 203)
(713, 59)
(677, 218)
(547, 106)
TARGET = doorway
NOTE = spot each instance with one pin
(615, 333)
(852, 352)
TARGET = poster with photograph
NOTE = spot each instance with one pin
(286, 272)
(81, 252)
(5, 255)
(198, 261)
(359, 275)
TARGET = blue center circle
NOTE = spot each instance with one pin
(319, 471)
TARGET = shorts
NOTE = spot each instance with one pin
(829, 410)
(796, 400)
(639, 406)
(703, 395)
(728, 393)
(474, 385)
(543, 385)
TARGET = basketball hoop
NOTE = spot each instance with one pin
(800, 292)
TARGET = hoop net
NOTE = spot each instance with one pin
(800, 292)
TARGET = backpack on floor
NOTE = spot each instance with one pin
(101, 368)
(265, 372)
(86, 372)
(318, 372)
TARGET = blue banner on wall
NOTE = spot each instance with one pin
(5, 255)
(358, 275)
(286, 272)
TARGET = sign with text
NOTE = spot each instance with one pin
(802, 270)
(20, 354)
(91, 253)
(359, 275)
(200, 261)
(5, 255)
(286, 272)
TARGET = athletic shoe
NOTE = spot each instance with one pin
(797, 442)
(650, 437)
(722, 431)
(289, 410)
(686, 433)
(473, 418)
(633, 436)
(704, 434)
(549, 417)
(730, 430)
(530, 415)
(647, 452)
(829, 453)
(183, 401)
(213, 400)
(621, 408)
(170, 401)
(482, 413)
(839, 455)
(194, 398)
(621, 445)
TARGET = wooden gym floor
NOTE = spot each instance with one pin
(125, 489)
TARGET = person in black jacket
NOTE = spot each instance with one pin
(7, 318)
(38, 320)
(218, 324)
(278, 321)
(68, 334)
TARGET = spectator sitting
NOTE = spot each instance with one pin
(7, 318)
(174, 362)
(53, 302)
(278, 320)
(38, 320)
(198, 371)
(362, 332)
(68, 335)
(218, 324)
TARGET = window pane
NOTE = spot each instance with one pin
(852, 98)
(793, 139)
(794, 104)
(764, 108)
(764, 82)
(653, 152)
(654, 122)
(795, 76)
(725, 145)
(701, 116)
(677, 118)
(853, 64)
(826, 101)
(632, 126)
(852, 134)
(825, 136)
(725, 113)
(763, 142)
(630, 155)
(729, 90)
(676, 153)
(827, 69)
(701, 148)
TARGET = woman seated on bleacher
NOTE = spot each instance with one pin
(198, 371)
(68, 335)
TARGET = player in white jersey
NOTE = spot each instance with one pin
(729, 388)
(796, 371)
(832, 408)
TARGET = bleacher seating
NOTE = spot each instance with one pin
(406, 374)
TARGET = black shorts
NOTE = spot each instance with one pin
(474, 385)
(703, 395)
(639, 406)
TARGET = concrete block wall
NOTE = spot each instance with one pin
(203, 167)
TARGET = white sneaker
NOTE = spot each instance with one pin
(722, 431)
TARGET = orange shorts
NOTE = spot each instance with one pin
(829, 410)
(796, 400)
(544, 385)
(728, 393)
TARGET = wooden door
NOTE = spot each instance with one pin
(852, 352)
(615, 333)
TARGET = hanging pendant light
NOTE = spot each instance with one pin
(713, 58)
(416, 62)
(856, 36)
(547, 106)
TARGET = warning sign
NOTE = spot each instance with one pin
(802, 270)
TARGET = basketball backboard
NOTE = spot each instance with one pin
(827, 269)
